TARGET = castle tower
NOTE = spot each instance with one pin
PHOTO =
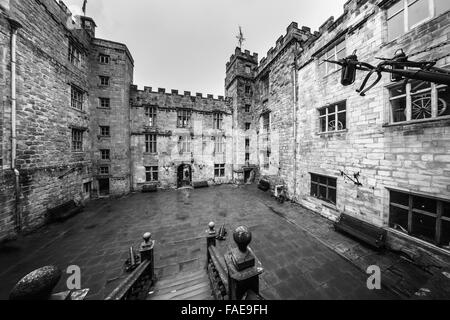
(240, 86)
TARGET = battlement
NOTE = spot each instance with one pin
(174, 92)
(244, 55)
(292, 32)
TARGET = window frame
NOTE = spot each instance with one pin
(336, 117)
(411, 211)
(327, 185)
(184, 144)
(102, 57)
(74, 55)
(329, 68)
(151, 173)
(219, 170)
(101, 131)
(432, 13)
(151, 143)
(184, 118)
(105, 154)
(103, 172)
(101, 103)
(77, 140)
(219, 145)
(408, 96)
(106, 83)
(76, 97)
(151, 113)
(218, 120)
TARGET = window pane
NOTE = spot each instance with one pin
(417, 85)
(398, 109)
(445, 233)
(398, 219)
(443, 101)
(332, 195)
(423, 227)
(446, 209)
(322, 192)
(424, 204)
(342, 124)
(400, 198)
(323, 124)
(421, 106)
(314, 178)
(332, 182)
(322, 180)
(441, 6)
(395, 26)
(314, 192)
(395, 8)
(417, 12)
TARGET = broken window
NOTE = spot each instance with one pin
(418, 100)
(151, 174)
(323, 188)
(184, 118)
(150, 113)
(333, 117)
(420, 216)
(217, 120)
(77, 140)
(219, 170)
(150, 143)
(76, 98)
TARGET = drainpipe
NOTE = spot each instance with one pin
(15, 25)
(294, 106)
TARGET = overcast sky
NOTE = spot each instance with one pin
(185, 44)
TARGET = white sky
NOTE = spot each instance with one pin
(185, 44)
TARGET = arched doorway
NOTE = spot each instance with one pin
(184, 177)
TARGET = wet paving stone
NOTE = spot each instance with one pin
(297, 266)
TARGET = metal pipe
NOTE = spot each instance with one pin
(15, 25)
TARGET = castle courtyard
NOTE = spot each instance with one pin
(299, 263)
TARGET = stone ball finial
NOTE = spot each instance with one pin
(242, 236)
(211, 225)
(37, 285)
(147, 237)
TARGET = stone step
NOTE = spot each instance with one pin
(180, 278)
(185, 293)
(178, 285)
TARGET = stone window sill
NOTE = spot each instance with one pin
(331, 132)
(445, 121)
(324, 203)
(151, 153)
(417, 240)
(78, 110)
(104, 108)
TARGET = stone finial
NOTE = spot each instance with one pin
(211, 226)
(242, 236)
(147, 237)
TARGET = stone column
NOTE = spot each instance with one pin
(146, 252)
(243, 274)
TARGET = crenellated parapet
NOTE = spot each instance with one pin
(246, 55)
(135, 91)
(293, 33)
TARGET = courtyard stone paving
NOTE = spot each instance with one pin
(297, 264)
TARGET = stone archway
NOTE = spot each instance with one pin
(184, 175)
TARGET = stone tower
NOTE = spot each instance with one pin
(240, 86)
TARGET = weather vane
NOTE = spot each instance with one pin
(84, 7)
(240, 37)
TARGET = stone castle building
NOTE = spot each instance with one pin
(82, 129)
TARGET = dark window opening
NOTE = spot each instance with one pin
(323, 188)
(151, 174)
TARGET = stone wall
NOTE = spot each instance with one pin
(168, 157)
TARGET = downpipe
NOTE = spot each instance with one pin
(15, 25)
